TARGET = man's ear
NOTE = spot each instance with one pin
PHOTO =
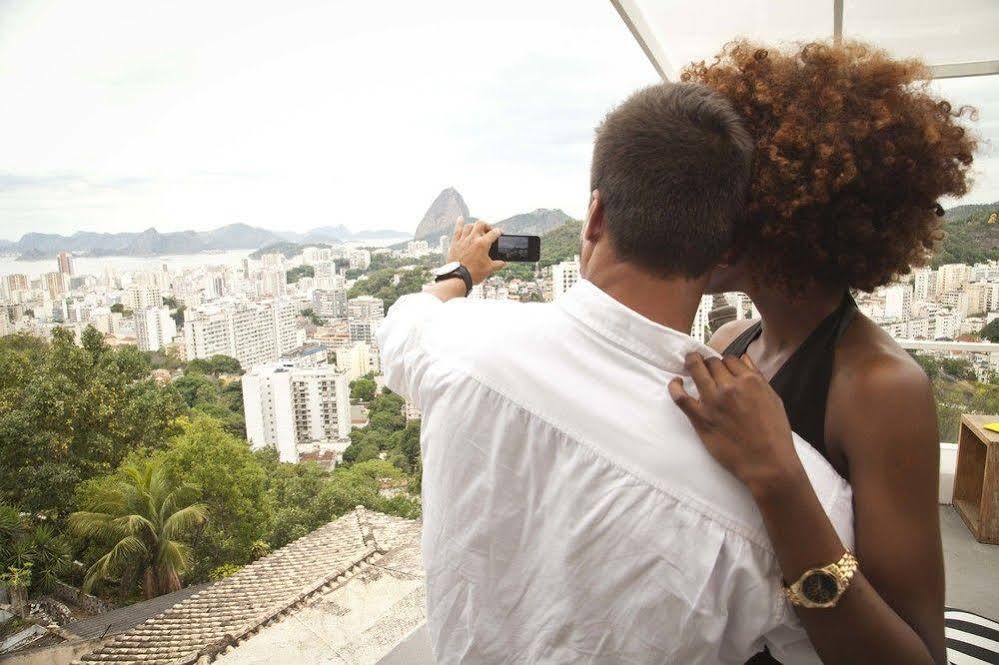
(595, 223)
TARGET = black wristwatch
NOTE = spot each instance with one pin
(454, 270)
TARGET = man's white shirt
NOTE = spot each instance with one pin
(570, 512)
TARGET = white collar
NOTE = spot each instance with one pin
(664, 347)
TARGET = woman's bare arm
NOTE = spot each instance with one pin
(743, 424)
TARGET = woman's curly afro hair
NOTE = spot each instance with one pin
(852, 153)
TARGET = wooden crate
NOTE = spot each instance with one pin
(976, 480)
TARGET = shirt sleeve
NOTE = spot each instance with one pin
(402, 340)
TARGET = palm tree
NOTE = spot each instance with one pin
(31, 557)
(143, 520)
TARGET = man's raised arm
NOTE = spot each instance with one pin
(402, 339)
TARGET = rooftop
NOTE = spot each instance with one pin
(346, 593)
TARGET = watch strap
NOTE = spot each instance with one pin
(459, 272)
(843, 570)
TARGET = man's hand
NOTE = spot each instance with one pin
(741, 421)
(470, 247)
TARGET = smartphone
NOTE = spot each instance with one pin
(516, 248)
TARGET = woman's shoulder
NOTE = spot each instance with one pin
(876, 384)
(725, 335)
(867, 358)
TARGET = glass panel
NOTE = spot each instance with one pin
(937, 32)
(688, 32)
(982, 93)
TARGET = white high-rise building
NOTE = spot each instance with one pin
(330, 303)
(360, 259)
(924, 283)
(287, 406)
(65, 260)
(154, 328)
(701, 328)
(142, 296)
(273, 282)
(898, 301)
(356, 360)
(564, 275)
(364, 315)
(444, 245)
(313, 255)
(326, 276)
(951, 277)
(252, 333)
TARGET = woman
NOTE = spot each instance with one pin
(852, 155)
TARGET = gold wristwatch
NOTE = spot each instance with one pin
(823, 587)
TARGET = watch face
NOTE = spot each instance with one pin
(820, 587)
(446, 268)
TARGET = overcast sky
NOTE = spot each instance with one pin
(121, 115)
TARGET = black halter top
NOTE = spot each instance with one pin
(803, 380)
(803, 384)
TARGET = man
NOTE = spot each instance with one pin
(571, 514)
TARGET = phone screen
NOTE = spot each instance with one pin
(516, 248)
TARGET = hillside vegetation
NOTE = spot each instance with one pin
(971, 235)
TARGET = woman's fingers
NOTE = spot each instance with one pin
(690, 406)
(702, 377)
(719, 372)
(736, 366)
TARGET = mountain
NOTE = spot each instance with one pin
(442, 215)
(341, 233)
(971, 234)
(536, 223)
(33, 246)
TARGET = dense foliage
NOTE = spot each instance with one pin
(97, 459)
(70, 412)
(957, 390)
(971, 235)
(298, 272)
(389, 284)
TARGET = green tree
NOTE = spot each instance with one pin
(233, 488)
(216, 365)
(144, 520)
(363, 389)
(298, 272)
(33, 557)
(70, 412)
(313, 318)
(991, 331)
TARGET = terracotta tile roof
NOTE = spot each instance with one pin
(118, 621)
(208, 622)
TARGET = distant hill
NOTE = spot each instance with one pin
(33, 246)
(442, 215)
(534, 223)
(288, 249)
(971, 234)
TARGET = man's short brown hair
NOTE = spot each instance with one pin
(672, 165)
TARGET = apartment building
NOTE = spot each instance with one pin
(288, 407)
(356, 360)
(364, 315)
(154, 328)
(142, 296)
(564, 275)
(65, 261)
(330, 303)
(251, 332)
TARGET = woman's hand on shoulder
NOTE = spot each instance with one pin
(741, 421)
